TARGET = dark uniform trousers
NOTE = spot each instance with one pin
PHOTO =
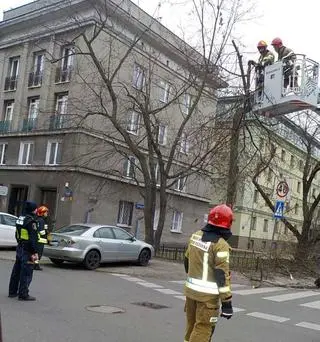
(22, 272)
(201, 320)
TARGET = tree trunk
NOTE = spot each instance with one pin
(162, 215)
(149, 209)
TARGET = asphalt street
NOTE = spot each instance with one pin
(64, 296)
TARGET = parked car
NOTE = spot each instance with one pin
(92, 244)
(7, 230)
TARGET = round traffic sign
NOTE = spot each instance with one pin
(282, 189)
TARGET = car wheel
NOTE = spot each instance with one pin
(92, 260)
(144, 257)
(57, 262)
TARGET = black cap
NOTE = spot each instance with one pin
(29, 207)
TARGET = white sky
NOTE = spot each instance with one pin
(295, 22)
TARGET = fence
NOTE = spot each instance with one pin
(240, 260)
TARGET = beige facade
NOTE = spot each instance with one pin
(49, 87)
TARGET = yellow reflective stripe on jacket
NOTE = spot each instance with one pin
(202, 286)
(224, 255)
(224, 289)
(42, 232)
(24, 234)
(42, 240)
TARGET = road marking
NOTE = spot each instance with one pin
(238, 309)
(151, 285)
(313, 305)
(180, 297)
(134, 279)
(120, 275)
(308, 325)
(181, 282)
(292, 296)
(168, 291)
(258, 290)
(237, 286)
(268, 317)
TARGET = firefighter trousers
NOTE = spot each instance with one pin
(201, 320)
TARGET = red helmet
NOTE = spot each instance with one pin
(262, 44)
(221, 216)
(277, 42)
(42, 210)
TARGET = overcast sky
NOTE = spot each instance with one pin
(295, 22)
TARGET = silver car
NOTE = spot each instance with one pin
(8, 230)
(92, 244)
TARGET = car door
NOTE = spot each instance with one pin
(7, 230)
(107, 243)
(128, 246)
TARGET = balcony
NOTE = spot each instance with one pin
(29, 125)
(35, 79)
(11, 83)
(63, 75)
(5, 126)
(62, 121)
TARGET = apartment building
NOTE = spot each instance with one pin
(54, 147)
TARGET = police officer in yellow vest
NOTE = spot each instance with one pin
(208, 276)
(42, 213)
(26, 253)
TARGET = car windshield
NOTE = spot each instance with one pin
(73, 230)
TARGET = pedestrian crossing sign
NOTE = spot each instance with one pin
(278, 209)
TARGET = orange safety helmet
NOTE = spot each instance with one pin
(277, 42)
(262, 44)
(42, 210)
(221, 216)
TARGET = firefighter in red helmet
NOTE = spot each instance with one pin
(288, 57)
(266, 58)
(42, 213)
(208, 276)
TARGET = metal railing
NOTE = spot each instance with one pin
(11, 83)
(5, 126)
(63, 121)
(63, 74)
(35, 79)
(29, 125)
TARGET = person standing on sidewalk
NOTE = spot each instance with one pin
(208, 276)
(26, 253)
(42, 213)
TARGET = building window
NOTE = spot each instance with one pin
(301, 165)
(26, 153)
(184, 144)
(35, 76)
(125, 213)
(162, 134)
(133, 122)
(8, 110)
(186, 104)
(64, 72)
(139, 77)
(164, 91)
(33, 108)
(253, 224)
(255, 196)
(181, 184)
(283, 155)
(53, 156)
(265, 225)
(13, 72)
(176, 221)
(299, 187)
(292, 161)
(61, 104)
(129, 167)
(296, 209)
(276, 227)
(3, 153)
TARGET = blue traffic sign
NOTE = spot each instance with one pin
(278, 210)
(139, 206)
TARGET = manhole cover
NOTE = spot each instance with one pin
(151, 305)
(105, 309)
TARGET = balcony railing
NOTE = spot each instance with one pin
(11, 83)
(63, 121)
(63, 74)
(29, 125)
(5, 126)
(35, 79)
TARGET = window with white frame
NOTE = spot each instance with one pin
(162, 134)
(181, 184)
(184, 143)
(129, 167)
(14, 67)
(125, 213)
(8, 110)
(133, 122)
(53, 156)
(67, 57)
(33, 108)
(3, 153)
(164, 91)
(176, 221)
(156, 219)
(139, 77)
(38, 62)
(25, 153)
(61, 103)
(186, 103)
